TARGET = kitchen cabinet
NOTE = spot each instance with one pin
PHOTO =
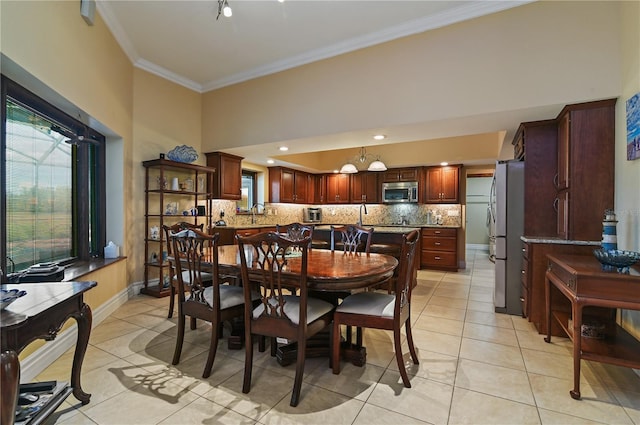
(365, 187)
(534, 267)
(585, 168)
(439, 248)
(538, 141)
(591, 295)
(166, 205)
(226, 182)
(228, 234)
(287, 185)
(338, 188)
(442, 185)
(400, 175)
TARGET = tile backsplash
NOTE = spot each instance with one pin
(413, 214)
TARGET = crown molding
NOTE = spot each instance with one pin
(448, 17)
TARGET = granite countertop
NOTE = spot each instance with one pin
(557, 241)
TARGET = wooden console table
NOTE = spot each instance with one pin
(40, 314)
(582, 281)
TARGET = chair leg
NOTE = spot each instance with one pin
(273, 342)
(398, 349)
(412, 349)
(359, 333)
(193, 323)
(179, 340)
(335, 347)
(297, 383)
(248, 361)
(172, 301)
(213, 348)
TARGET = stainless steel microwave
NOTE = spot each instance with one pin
(399, 192)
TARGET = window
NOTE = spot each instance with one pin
(52, 184)
(249, 191)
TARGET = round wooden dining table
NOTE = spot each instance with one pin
(327, 270)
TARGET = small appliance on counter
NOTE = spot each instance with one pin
(313, 215)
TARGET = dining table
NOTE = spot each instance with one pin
(328, 272)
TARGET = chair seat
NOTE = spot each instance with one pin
(315, 308)
(186, 277)
(368, 303)
(230, 296)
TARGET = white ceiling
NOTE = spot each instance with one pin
(182, 41)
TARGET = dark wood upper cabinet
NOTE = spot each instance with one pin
(539, 142)
(287, 185)
(442, 185)
(338, 188)
(400, 175)
(226, 182)
(365, 187)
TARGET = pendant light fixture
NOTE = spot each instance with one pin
(224, 9)
(375, 165)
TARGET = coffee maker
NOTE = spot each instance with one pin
(313, 215)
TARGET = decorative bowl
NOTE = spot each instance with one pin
(182, 153)
(616, 259)
(9, 296)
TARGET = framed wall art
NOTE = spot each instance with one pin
(633, 127)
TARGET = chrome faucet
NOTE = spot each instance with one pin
(254, 208)
(365, 213)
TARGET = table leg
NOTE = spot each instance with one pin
(576, 311)
(84, 319)
(10, 378)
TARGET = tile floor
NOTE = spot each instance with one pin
(476, 367)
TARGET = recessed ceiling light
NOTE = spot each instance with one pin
(270, 161)
(379, 137)
(283, 148)
(444, 164)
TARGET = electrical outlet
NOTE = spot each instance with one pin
(453, 213)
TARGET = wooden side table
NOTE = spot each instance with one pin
(40, 314)
(590, 290)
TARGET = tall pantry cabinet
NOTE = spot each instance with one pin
(585, 179)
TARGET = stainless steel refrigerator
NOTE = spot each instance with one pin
(509, 226)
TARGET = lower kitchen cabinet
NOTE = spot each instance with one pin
(534, 266)
(439, 248)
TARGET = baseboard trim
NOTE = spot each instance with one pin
(40, 359)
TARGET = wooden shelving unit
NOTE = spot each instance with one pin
(194, 181)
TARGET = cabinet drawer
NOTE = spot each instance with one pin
(438, 258)
(439, 244)
(525, 272)
(437, 231)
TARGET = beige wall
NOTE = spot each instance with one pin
(543, 53)
(627, 192)
(165, 115)
(82, 65)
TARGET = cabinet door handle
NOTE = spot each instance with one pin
(556, 179)
(436, 258)
(437, 243)
(521, 299)
(555, 204)
(522, 271)
(437, 232)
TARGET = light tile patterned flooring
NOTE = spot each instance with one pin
(476, 367)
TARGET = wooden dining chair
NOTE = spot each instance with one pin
(215, 303)
(295, 230)
(168, 230)
(382, 311)
(281, 313)
(351, 238)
